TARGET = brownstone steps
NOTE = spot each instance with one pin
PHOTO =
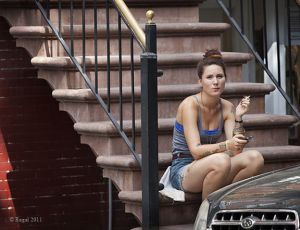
(102, 137)
(126, 173)
(82, 105)
(185, 212)
(178, 68)
(171, 213)
(171, 38)
(173, 227)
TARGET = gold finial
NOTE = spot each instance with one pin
(149, 16)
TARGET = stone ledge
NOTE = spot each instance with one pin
(164, 60)
(163, 29)
(271, 154)
(136, 197)
(90, 3)
(165, 125)
(167, 92)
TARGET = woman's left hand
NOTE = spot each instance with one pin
(243, 107)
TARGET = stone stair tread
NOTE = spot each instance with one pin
(106, 128)
(162, 29)
(185, 59)
(270, 153)
(173, 227)
(178, 91)
(136, 197)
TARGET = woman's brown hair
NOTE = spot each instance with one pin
(211, 57)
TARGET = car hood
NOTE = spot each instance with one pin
(279, 189)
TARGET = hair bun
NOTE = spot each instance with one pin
(213, 53)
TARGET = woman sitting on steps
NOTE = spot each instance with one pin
(200, 163)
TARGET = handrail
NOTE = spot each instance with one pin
(131, 23)
(89, 83)
(257, 56)
(149, 73)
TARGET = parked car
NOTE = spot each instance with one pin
(270, 201)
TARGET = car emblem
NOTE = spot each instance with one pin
(248, 223)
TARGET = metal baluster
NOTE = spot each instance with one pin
(59, 17)
(120, 70)
(253, 21)
(96, 44)
(290, 49)
(242, 15)
(108, 53)
(278, 44)
(48, 8)
(110, 204)
(72, 26)
(83, 36)
(265, 34)
(132, 91)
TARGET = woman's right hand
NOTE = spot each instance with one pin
(236, 144)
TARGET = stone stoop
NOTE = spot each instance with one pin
(102, 137)
(126, 173)
(171, 213)
(184, 37)
(179, 68)
(173, 227)
(82, 106)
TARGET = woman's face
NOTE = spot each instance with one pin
(213, 80)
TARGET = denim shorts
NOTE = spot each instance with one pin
(177, 171)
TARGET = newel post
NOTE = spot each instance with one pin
(150, 198)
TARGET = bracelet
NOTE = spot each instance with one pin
(241, 121)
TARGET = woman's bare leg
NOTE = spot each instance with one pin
(207, 174)
(244, 165)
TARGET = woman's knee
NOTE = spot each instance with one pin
(220, 162)
(255, 158)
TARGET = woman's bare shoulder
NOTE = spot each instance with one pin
(189, 104)
(226, 104)
(228, 107)
(188, 101)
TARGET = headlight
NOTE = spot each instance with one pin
(200, 223)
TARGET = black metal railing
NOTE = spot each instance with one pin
(238, 11)
(81, 60)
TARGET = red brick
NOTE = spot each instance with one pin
(7, 44)
(29, 72)
(15, 53)
(14, 63)
(5, 166)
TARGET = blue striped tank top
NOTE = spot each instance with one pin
(179, 144)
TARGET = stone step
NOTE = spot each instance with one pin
(20, 12)
(125, 172)
(103, 138)
(170, 212)
(178, 69)
(165, 11)
(173, 227)
(171, 38)
(82, 105)
(185, 212)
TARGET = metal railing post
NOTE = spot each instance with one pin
(150, 198)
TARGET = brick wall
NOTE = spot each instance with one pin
(52, 180)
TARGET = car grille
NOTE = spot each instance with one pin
(255, 220)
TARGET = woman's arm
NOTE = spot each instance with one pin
(233, 124)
